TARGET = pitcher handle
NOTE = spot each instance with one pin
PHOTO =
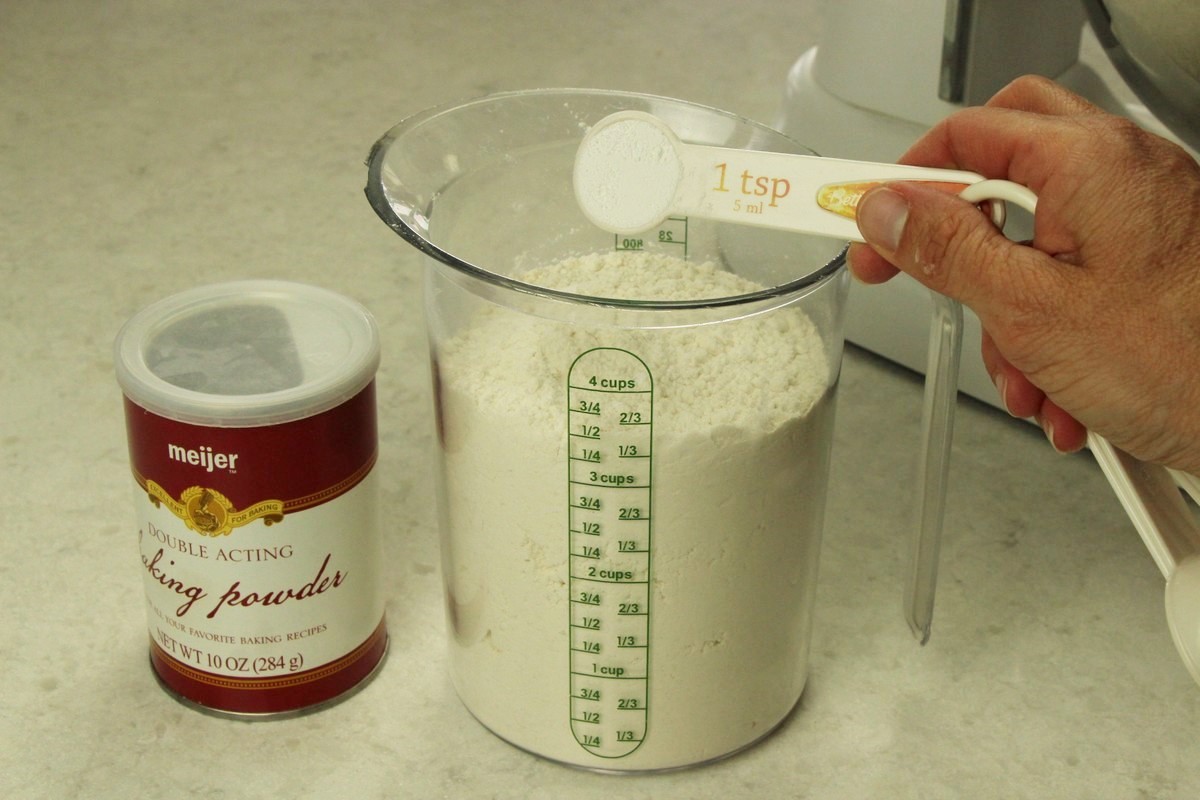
(937, 434)
(937, 422)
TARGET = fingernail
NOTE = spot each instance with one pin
(851, 254)
(1001, 383)
(1048, 427)
(882, 214)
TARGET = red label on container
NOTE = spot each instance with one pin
(298, 464)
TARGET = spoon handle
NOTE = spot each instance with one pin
(808, 194)
(1151, 499)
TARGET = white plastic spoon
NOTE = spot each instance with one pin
(632, 172)
(1168, 528)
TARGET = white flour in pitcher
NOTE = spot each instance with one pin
(742, 421)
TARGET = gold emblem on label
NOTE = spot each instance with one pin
(209, 513)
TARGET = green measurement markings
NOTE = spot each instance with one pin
(672, 234)
(610, 420)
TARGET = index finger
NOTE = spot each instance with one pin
(1026, 130)
(1040, 95)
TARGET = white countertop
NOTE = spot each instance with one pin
(145, 151)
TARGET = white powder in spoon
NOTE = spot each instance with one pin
(626, 174)
(742, 422)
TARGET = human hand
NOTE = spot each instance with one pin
(1095, 324)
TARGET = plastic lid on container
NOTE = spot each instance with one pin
(247, 353)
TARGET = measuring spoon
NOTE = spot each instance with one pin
(632, 172)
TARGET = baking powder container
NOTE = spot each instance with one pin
(250, 410)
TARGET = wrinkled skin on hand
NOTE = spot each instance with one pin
(1095, 323)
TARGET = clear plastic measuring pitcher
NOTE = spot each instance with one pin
(634, 436)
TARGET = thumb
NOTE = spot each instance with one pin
(946, 243)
